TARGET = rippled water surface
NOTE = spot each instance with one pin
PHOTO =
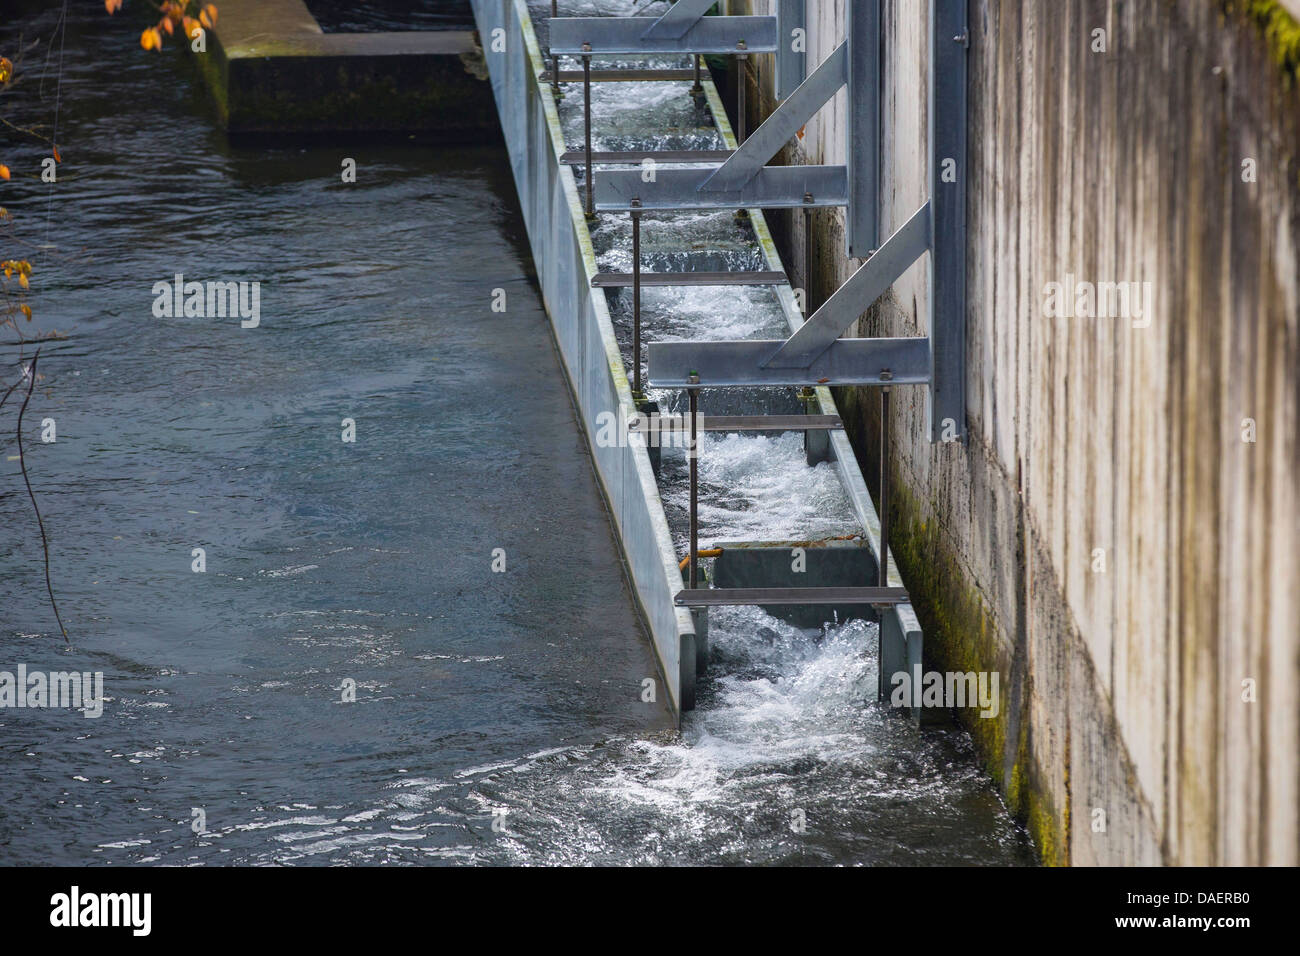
(327, 562)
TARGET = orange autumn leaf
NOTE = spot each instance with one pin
(211, 10)
(189, 25)
(22, 280)
(167, 25)
(6, 70)
(205, 19)
(57, 158)
(4, 171)
(26, 310)
(112, 6)
(151, 39)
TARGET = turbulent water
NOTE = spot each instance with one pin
(477, 692)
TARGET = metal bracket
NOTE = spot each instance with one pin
(904, 361)
(637, 157)
(864, 287)
(658, 424)
(815, 353)
(742, 597)
(773, 187)
(688, 32)
(854, 66)
(682, 29)
(625, 280)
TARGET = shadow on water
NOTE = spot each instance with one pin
(375, 16)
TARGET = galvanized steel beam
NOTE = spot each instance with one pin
(861, 225)
(856, 295)
(903, 361)
(649, 424)
(617, 76)
(792, 46)
(624, 280)
(603, 36)
(678, 20)
(635, 157)
(775, 187)
(784, 122)
(949, 45)
(743, 597)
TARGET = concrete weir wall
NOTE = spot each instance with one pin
(584, 332)
(1119, 537)
(271, 69)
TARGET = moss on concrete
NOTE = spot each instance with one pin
(961, 634)
(1279, 28)
(212, 68)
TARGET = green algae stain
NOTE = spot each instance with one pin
(1280, 30)
(961, 635)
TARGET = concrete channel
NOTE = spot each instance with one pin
(561, 240)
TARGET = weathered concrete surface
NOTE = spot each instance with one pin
(272, 70)
(1096, 441)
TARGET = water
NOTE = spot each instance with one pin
(362, 16)
(325, 561)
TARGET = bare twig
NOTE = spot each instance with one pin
(22, 462)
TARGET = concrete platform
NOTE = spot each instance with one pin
(271, 69)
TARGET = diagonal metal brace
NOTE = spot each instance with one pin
(679, 19)
(784, 122)
(853, 298)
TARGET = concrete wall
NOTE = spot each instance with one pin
(1124, 685)
(584, 335)
(272, 71)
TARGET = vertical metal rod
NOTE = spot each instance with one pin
(555, 60)
(636, 302)
(586, 122)
(695, 483)
(884, 487)
(698, 87)
(740, 98)
(807, 257)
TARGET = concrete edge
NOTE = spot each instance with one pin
(668, 580)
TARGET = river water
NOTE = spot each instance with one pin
(371, 562)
